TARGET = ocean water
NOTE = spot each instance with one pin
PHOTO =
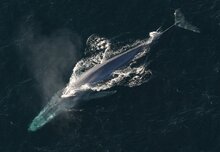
(177, 110)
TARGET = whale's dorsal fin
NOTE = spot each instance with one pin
(96, 43)
(181, 22)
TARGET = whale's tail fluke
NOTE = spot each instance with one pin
(181, 22)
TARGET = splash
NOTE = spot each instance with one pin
(103, 68)
(135, 73)
(99, 50)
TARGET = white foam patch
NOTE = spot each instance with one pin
(134, 74)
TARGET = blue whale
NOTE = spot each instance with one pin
(62, 102)
(99, 73)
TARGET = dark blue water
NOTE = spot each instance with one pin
(178, 110)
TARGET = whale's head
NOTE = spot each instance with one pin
(55, 106)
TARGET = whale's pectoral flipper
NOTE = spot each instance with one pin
(75, 110)
(181, 22)
(100, 94)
